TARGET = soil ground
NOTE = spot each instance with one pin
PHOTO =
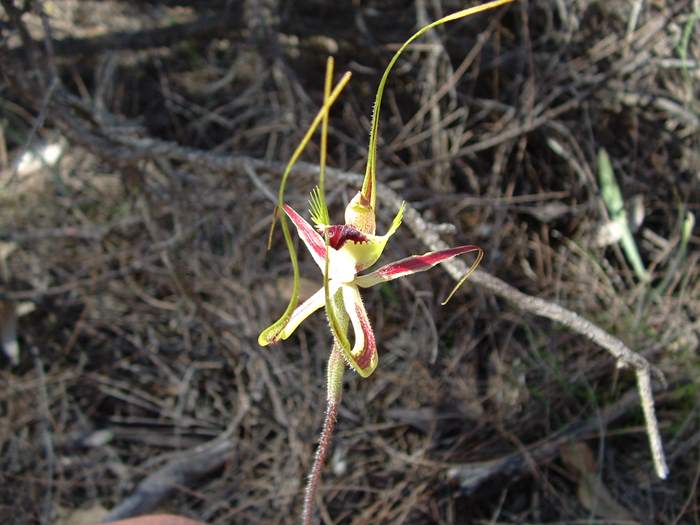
(140, 144)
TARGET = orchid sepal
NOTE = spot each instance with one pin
(369, 190)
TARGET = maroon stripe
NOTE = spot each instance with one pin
(370, 347)
(422, 262)
(312, 239)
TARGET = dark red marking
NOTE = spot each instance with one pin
(339, 234)
(312, 239)
(423, 262)
(368, 350)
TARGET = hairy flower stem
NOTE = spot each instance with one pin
(319, 460)
(336, 367)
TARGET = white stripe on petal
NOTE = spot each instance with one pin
(304, 310)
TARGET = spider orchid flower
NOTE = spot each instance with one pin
(342, 253)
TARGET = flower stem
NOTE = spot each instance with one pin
(336, 367)
(319, 460)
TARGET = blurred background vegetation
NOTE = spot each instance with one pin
(140, 141)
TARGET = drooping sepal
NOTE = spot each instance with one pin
(271, 333)
(369, 191)
(280, 329)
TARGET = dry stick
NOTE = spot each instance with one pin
(206, 27)
(470, 476)
(182, 470)
(147, 148)
(178, 473)
(623, 354)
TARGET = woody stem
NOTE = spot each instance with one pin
(336, 367)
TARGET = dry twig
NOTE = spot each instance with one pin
(187, 467)
(470, 476)
(624, 356)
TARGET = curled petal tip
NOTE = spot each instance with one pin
(275, 332)
(419, 263)
(471, 270)
(286, 326)
(363, 356)
(269, 336)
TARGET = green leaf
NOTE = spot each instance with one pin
(612, 196)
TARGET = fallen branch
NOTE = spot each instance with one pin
(128, 148)
(470, 476)
(180, 472)
(624, 356)
(185, 469)
(206, 27)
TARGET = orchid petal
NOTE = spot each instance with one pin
(363, 357)
(420, 263)
(313, 241)
(304, 310)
